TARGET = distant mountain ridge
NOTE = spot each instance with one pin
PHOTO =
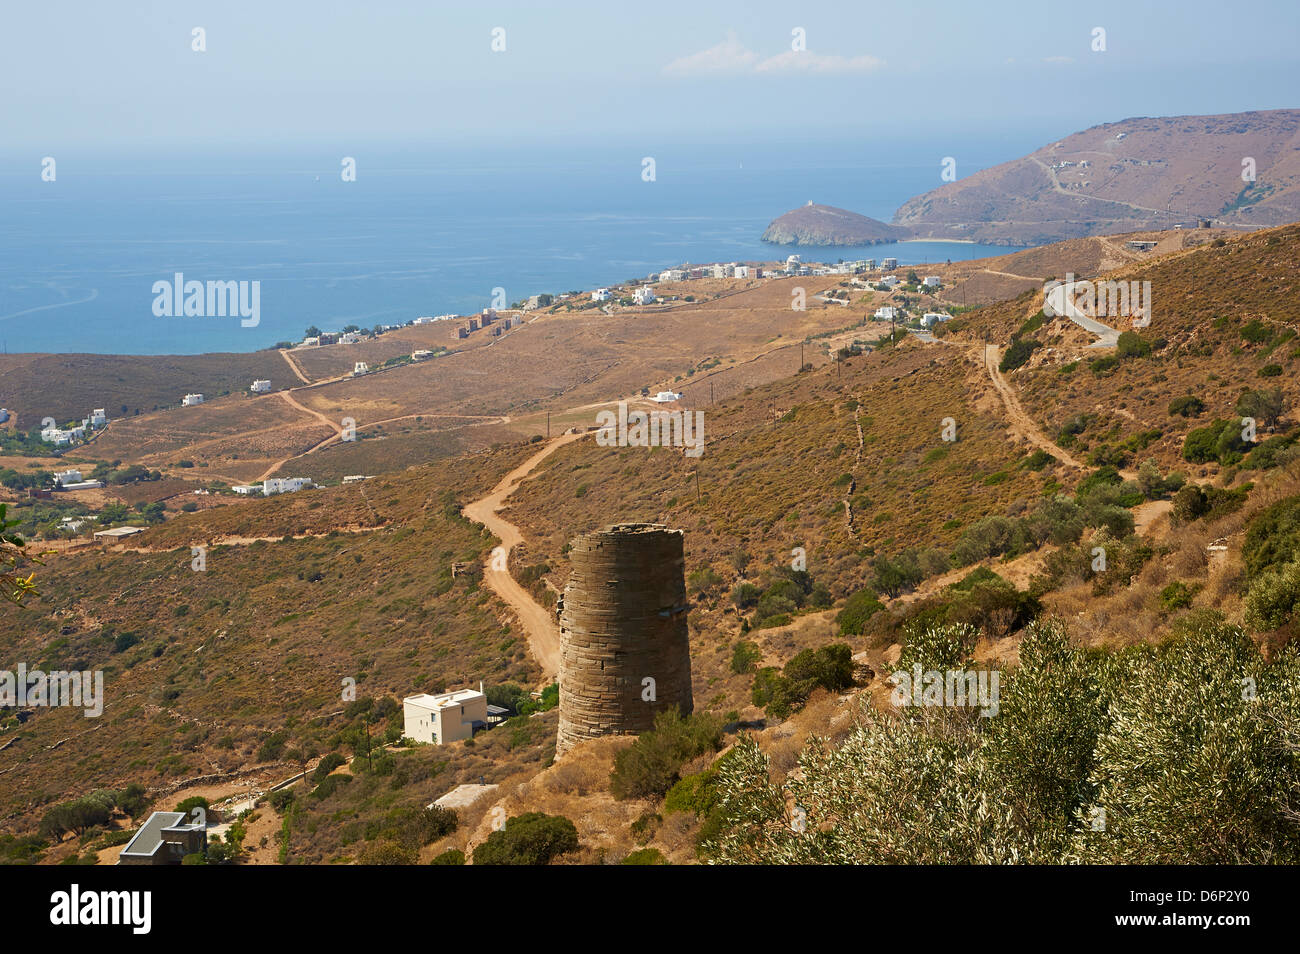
(1136, 174)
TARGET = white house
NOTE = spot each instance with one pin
(600, 294)
(58, 436)
(190, 400)
(360, 368)
(742, 271)
(889, 281)
(421, 355)
(312, 342)
(64, 477)
(98, 418)
(672, 275)
(284, 485)
(247, 490)
(792, 264)
(889, 263)
(664, 397)
(643, 295)
(446, 717)
(261, 386)
(886, 313)
(930, 318)
(931, 281)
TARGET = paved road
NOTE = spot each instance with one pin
(1061, 300)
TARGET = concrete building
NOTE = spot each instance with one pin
(930, 318)
(600, 294)
(889, 263)
(285, 485)
(421, 355)
(247, 490)
(67, 477)
(742, 271)
(932, 281)
(643, 295)
(117, 533)
(886, 313)
(360, 368)
(624, 647)
(446, 717)
(164, 839)
(665, 397)
(260, 386)
(59, 436)
(97, 418)
(889, 281)
(191, 400)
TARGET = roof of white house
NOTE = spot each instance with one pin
(119, 532)
(441, 701)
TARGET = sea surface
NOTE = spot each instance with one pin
(423, 230)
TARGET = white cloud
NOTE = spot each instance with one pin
(805, 62)
(732, 56)
(729, 56)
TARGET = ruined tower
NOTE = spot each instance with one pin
(623, 622)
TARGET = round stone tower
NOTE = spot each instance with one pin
(624, 650)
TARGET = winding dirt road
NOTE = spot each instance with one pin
(1021, 422)
(539, 623)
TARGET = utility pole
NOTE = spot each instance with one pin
(800, 355)
(710, 392)
(548, 425)
(698, 497)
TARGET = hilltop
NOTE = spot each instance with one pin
(1137, 174)
(1141, 173)
(826, 225)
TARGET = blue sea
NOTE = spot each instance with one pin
(423, 230)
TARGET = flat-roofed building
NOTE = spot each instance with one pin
(445, 717)
(164, 839)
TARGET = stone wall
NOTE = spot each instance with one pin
(622, 620)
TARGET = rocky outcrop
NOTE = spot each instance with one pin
(827, 225)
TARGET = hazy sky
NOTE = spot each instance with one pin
(121, 77)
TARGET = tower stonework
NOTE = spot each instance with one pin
(623, 621)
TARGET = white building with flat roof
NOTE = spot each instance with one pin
(932, 318)
(666, 397)
(600, 294)
(360, 368)
(284, 485)
(190, 400)
(97, 418)
(261, 386)
(932, 281)
(68, 476)
(446, 717)
(643, 295)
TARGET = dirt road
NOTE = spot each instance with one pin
(538, 621)
(1021, 422)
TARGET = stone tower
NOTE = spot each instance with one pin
(622, 622)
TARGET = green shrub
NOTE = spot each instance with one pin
(1189, 406)
(1132, 345)
(645, 856)
(650, 765)
(744, 656)
(858, 609)
(1017, 354)
(533, 838)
